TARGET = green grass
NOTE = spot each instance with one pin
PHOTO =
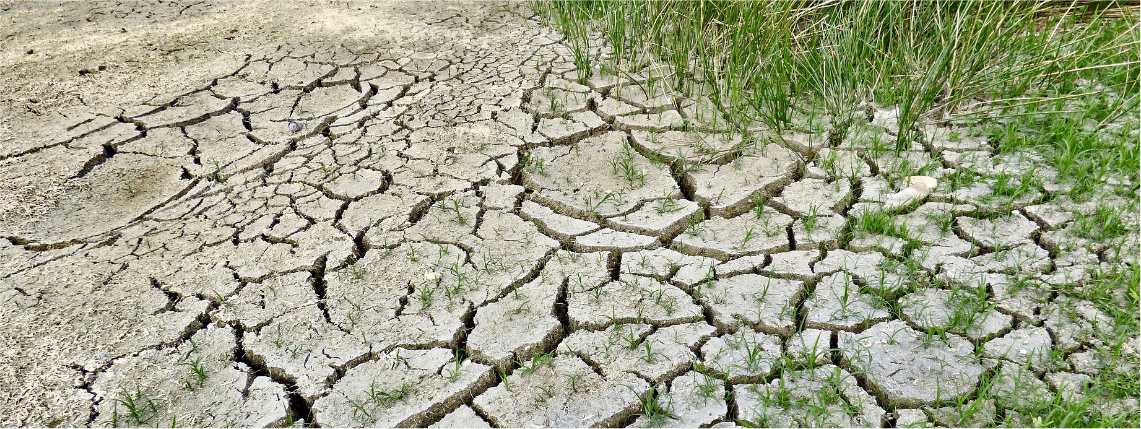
(1052, 88)
(1071, 69)
(1103, 223)
(877, 222)
(653, 409)
(140, 408)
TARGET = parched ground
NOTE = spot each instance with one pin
(412, 214)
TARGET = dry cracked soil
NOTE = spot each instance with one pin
(414, 214)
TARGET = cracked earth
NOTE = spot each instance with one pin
(400, 214)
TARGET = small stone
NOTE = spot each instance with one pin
(918, 188)
(295, 126)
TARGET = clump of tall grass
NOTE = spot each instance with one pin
(771, 62)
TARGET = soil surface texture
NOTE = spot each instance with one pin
(417, 214)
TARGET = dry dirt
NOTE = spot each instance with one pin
(413, 214)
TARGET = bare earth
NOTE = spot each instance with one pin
(413, 214)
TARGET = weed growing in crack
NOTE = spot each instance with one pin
(810, 219)
(695, 228)
(653, 409)
(454, 372)
(758, 205)
(878, 222)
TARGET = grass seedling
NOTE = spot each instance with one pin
(198, 374)
(141, 409)
(386, 398)
(695, 227)
(546, 359)
(810, 219)
(357, 272)
(548, 392)
(745, 240)
(426, 292)
(222, 299)
(649, 357)
(668, 303)
(454, 207)
(593, 204)
(878, 222)
(707, 385)
(625, 168)
(360, 412)
(454, 372)
(631, 339)
(758, 205)
(653, 409)
(667, 205)
(522, 308)
(554, 104)
(506, 382)
(574, 380)
(1103, 223)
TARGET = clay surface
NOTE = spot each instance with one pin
(421, 214)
